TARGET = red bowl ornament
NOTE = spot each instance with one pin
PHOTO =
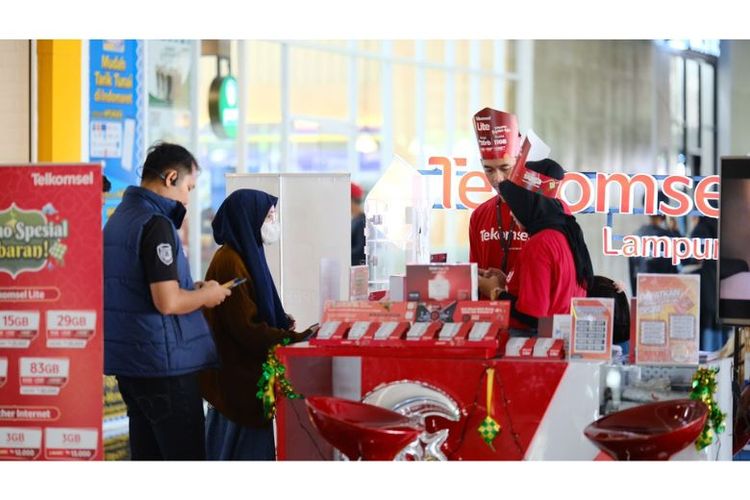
(360, 430)
(653, 431)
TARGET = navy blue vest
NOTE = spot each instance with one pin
(138, 340)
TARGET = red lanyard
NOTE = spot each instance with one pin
(504, 242)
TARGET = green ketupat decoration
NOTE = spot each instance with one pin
(273, 377)
(704, 389)
(58, 250)
(489, 428)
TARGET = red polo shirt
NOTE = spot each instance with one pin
(544, 279)
(485, 244)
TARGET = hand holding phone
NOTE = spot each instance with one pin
(311, 331)
(233, 283)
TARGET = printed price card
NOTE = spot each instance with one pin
(591, 332)
(327, 330)
(385, 330)
(449, 331)
(70, 329)
(667, 319)
(479, 331)
(43, 376)
(70, 444)
(18, 328)
(20, 443)
(417, 331)
(358, 330)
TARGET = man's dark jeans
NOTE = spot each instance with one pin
(166, 417)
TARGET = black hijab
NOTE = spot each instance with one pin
(537, 212)
(237, 224)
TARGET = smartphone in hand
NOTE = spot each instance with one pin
(312, 329)
(234, 282)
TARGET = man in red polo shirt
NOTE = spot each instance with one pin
(495, 240)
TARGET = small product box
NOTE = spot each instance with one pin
(330, 333)
(426, 282)
(483, 331)
(361, 333)
(527, 350)
(453, 333)
(557, 349)
(423, 333)
(396, 284)
(358, 279)
(520, 347)
(548, 348)
(389, 333)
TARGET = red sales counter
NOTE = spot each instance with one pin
(528, 398)
(451, 365)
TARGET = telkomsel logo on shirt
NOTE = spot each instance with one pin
(494, 234)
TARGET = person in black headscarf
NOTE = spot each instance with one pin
(244, 328)
(554, 265)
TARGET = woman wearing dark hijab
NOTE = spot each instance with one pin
(244, 328)
(554, 265)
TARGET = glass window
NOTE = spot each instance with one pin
(692, 102)
(487, 55)
(263, 106)
(487, 93)
(326, 134)
(511, 53)
(369, 114)
(464, 131)
(318, 149)
(708, 153)
(264, 79)
(677, 87)
(318, 83)
(217, 156)
(435, 51)
(333, 44)
(404, 123)
(403, 49)
(707, 94)
(370, 110)
(371, 46)
(435, 123)
(463, 53)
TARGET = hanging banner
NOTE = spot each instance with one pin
(116, 112)
(51, 312)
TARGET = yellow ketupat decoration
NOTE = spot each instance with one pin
(489, 428)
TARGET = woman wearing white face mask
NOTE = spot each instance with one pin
(244, 328)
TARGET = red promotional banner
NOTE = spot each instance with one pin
(51, 312)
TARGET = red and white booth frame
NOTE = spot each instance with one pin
(541, 405)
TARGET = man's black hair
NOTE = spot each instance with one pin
(164, 156)
(106, 185)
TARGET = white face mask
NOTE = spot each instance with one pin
(270, 231)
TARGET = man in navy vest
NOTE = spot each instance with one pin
(155, 338)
